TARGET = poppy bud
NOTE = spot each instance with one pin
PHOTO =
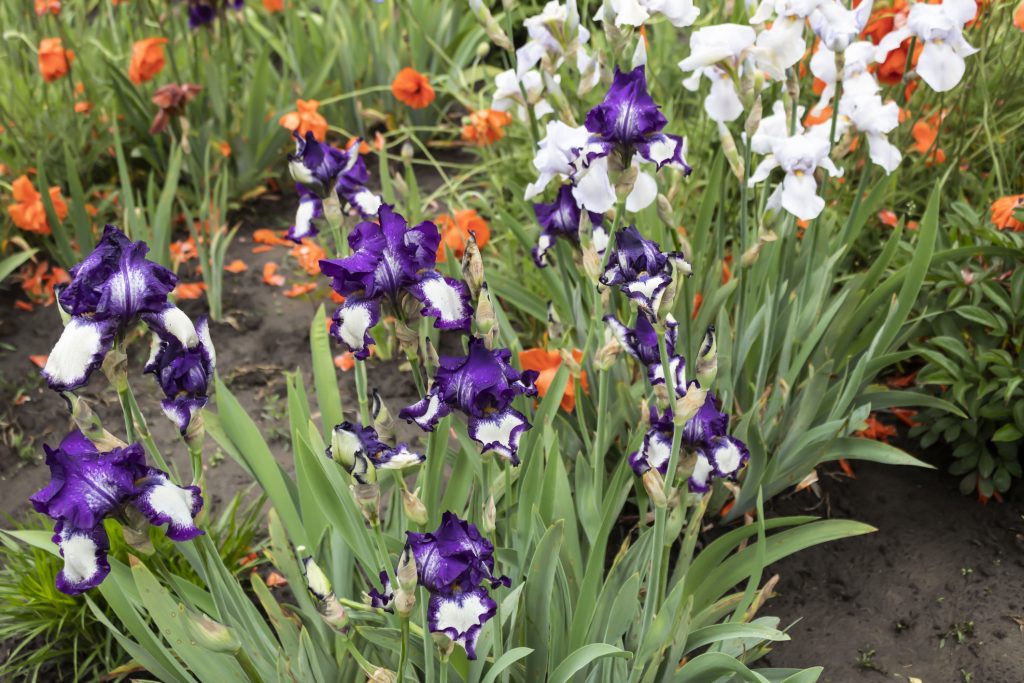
(415, 510)
(401, 187)
(210, 634)
(406, 152)
(482, 49)
(707, 359)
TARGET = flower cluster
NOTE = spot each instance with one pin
(482, 385)
(88, 485)
(390, 259)
(111, 289)
(453, 563)
(320, 170)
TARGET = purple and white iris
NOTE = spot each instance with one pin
(641, 270)
(358, 449)
(481, 384)
(641, 342)
(87, 485)
(387, 260)
(453, 563)
(628, 123)
(718, 454)
(184, 374)
(111, 289)
(318, 169)
(561, 218)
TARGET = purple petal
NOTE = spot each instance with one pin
(163, 502)
(665, 150)
(85, 557)
(628, 114)
(427, 412)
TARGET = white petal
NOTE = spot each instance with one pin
(367, 202)
(644, 192)
(175, 322)
(80, 551)
(353, 323)
(800, 196)
(82, 345)
(722, 103)
(446, 299)
(940, 66)
(173, 502)
(701, 472)
(594, 190)
(304, 219)
(883, 153)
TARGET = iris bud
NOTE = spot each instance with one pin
(415, 510)
(115, 367)
(482, 49)
(473, 266)
(368, 499)
(654, 483)
(664, 207)
(687, 406)
(707, 359)
(489, 522)
(627, 179)
(86, 420)
(486, 321)
(753, 118)
(490, 24)
(555, 328)
(211, 634)
(383, 421)
(732, 154)
(345, 445)
(382, 675)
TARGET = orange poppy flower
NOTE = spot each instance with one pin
(546, 363)
(44, 6)
(147, 59)
(189, 290)
(38, 282)
(54, 60)
(812, 119)
(888, 218)
(412, 88)
(273, 5)
(39, 361)
(271, 276)
(455, 232)
(926, 132)
(306, 119)
(698, 301)
(308, 254)
(224, 148)
(1003, 210)
(364, 146)
(262, 249)
(83, 107)
(337, 298)
(27, 210)
(486, 126)
(1018, 16)
(236, 266)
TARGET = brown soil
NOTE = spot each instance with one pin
(937, 593)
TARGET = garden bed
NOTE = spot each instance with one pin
(935, 592)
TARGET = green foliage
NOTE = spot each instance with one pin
(972, 356)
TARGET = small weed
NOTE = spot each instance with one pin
(960, 631)
(866, 660)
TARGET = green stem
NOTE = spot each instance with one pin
(123, 396)
(364, 403)
(248, 666)
(404, 654)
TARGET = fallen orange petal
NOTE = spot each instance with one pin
(268, 236)
(270, 275)
(23, 305)
(262, 249)
(189, 290)
(345, 361)
(274, 579)
(236, 266)
(300, 289)
(40, 361)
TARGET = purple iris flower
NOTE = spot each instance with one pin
(203, 12)
(453, 563)
(641, 342)
(718, 454)
(318, 167)
(628, 120)
(640, 269)
(310, 208)
(481, 384)
(110, 290)
(357, 448)
(382, 598)
(387, 260)
(561, 218)
(87, 485)
(184, 374)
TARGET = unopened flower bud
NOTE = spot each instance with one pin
(210, 634)
(732, 155)
(707, 359)
(408, 339)
(591, 263)
(606, 355)
(316, 581)
(490, 25)
(368, 499)
(627, 179)
(645, 414)
(570, 361)
(482, 49)
(90, 425)
(195, 433)
(555, 328)
(473, 266)
(654, 484)
(432, 359)
(445, 645)
(485, 319)
(382, 675)
(406, 152)
(687, 406)
(753, 118)
(383, 421)
(115, 367)
(665, 213)
(489, 522)
(415, 510)
(345, 445)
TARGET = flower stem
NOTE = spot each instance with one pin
(404, 654)
(248, 666)
(364, 404)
